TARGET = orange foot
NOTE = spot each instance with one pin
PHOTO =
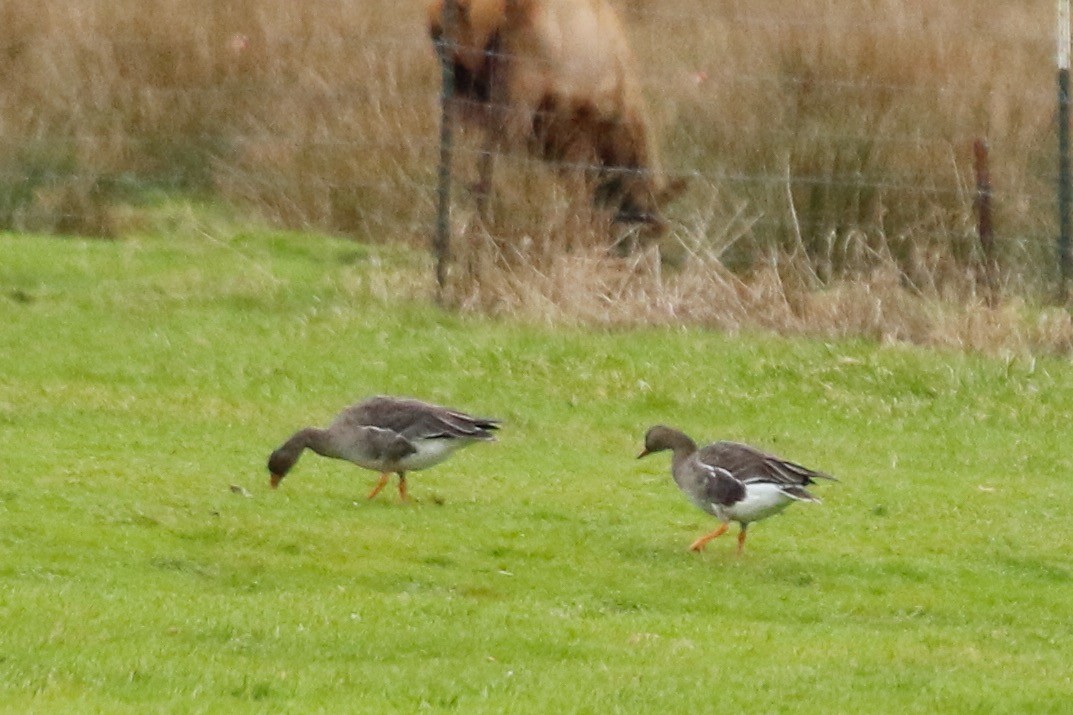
(699, 544)
(741, 541)
(379, 485)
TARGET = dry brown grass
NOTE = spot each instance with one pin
(314, 113)
(829, 145)
(865, 113)
(534, 280)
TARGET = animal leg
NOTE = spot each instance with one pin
(699, 543)
(379, 485)
(741, 539)
(402, 486)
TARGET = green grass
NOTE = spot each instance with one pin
(139, 379)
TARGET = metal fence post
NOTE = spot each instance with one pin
(1064, 187)
(441, 240)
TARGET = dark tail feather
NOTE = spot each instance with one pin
(799, 472)
(799, 493)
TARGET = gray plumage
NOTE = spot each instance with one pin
(732, 481)
(387, 434)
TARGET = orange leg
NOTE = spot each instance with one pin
(379, 485)
(741, 540)
(699, 543)
(402, 487)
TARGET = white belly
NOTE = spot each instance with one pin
(429, 452)
(761, 501)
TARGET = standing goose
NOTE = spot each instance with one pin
(731, 481)
(387, 434)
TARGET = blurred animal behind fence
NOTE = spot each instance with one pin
(556, 77)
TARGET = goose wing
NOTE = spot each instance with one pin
(750, 464)
(720, 486)
(417, 420)
(380, 445)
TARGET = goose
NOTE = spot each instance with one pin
(386, 434)
(731, 481)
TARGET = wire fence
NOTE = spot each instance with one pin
(805, 124)
(880, 141)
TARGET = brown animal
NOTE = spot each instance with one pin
(556, 76)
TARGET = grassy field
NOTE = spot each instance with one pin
(547, 572)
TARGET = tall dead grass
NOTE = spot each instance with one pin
(317, 113)
(828, 145)
(830, 150)
(535, 280)
(828, 121)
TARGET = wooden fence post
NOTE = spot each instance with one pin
(984, 228)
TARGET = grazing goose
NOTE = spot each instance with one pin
(388, 434)
(731, 481)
